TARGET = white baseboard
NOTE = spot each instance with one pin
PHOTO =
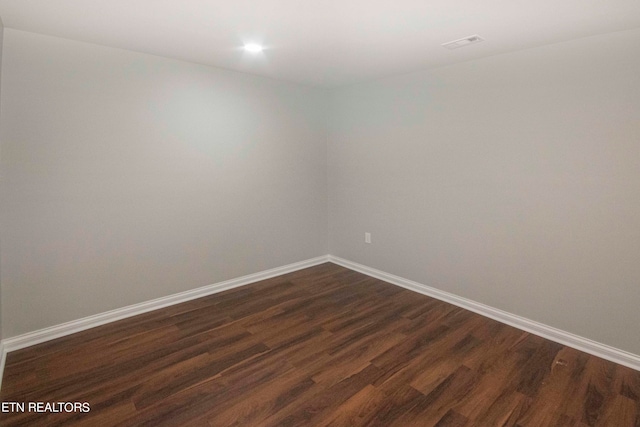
(57, 331)
(580, 343)
(584, 344)
(3, 359)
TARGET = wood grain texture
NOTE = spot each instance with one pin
(324, 346)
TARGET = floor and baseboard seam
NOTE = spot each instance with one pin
(47, 334)
(557, 335)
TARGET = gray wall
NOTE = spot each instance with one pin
(513, 181)
(1, 179)
(128, 177)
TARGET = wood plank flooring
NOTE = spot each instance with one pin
(324, 346)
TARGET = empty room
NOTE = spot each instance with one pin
(336, 213)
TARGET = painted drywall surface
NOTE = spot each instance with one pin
(1, 175)
(513, 181)
(128, 177)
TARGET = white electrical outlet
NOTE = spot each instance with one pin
(367, 237)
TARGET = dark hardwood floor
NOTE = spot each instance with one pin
(321, 346)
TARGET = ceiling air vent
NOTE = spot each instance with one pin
(463, 42)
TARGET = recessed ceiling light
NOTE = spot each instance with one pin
(463, 42)
(253, 47)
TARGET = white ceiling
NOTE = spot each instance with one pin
(327, 43)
